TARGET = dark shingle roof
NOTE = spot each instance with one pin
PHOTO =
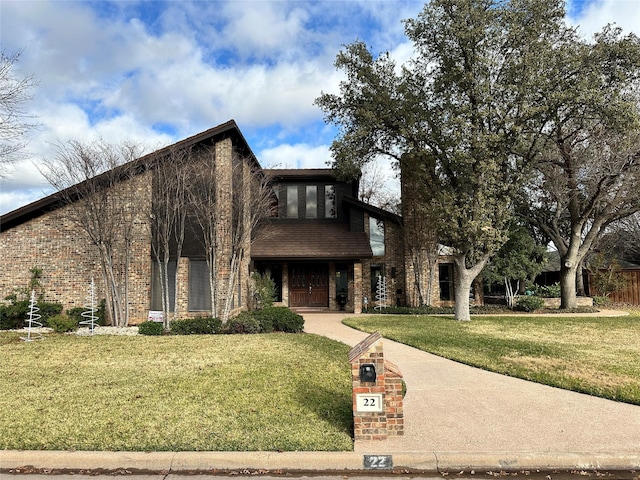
(309, 240)
(55, 200)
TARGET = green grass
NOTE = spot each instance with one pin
(595, 355)
(175, 393)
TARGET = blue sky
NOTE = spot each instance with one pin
(155, 72)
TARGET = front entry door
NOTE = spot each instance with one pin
(309, 286)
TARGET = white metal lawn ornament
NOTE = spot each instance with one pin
(89, 315)
(32, 320)
(381, 293)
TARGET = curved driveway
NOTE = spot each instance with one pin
(450, 407)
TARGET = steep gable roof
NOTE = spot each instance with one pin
(54, 201)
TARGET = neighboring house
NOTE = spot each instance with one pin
(323, 247)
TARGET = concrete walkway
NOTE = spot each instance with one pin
(450, 407)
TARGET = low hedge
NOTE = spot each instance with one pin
(150, 328)
(196, 326)
(280, 319)
(245, 322)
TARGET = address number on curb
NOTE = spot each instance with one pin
(378, 461)
(369, 403)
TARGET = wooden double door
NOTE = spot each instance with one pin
(309, 285)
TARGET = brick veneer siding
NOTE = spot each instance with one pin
(390, 421)
(53, 243)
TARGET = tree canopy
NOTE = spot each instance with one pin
(588, 167)
(15, 122)
(456, 113)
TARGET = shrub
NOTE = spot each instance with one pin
(265, 322)
(100, 313)
(528, 303)
(265, 290)
(547, 291)
(196, 326)
(63, 323)
(600, 301)
(150, 328)
(281, 318)
(245, 322)
(47, 310)
(76, 312)
(13, 315)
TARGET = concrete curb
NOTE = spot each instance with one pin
(16, 461)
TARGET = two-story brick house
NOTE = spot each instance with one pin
(322, 246)
(325, 249)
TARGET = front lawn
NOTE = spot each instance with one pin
(595, 355)
(202, 392)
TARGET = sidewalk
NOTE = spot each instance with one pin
(457, 418)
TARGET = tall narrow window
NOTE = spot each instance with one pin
(156, 290)
(312, 202)
(376, 236)
(199, 291)
(329, 201)
(445, 273)
(292, 201)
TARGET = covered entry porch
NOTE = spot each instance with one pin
(316, 285)
(313, 263)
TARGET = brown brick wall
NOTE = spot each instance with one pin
(53, 243)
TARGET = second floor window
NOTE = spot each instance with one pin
(292, 201)
(329, 201)
(376, 236)
(310, 201)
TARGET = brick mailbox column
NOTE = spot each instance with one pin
(377, 392)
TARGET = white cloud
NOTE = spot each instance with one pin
(263, 29)
(129, 71)
(598, 13)
(295, 156)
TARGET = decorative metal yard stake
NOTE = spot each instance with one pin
(381, 293)
(32, 321)
(90, 313)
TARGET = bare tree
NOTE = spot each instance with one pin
(203, 200)
(374, 189)
(169, 215)
(228, 198)
(252, 202)
(587, 180)
(622, 240)
(94, 181)
(14, 121)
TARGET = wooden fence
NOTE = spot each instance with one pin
(630, 294)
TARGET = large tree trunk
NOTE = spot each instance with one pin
(463, 279)
(568, 284)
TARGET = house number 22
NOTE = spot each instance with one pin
(378, 461)
(369, 402)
